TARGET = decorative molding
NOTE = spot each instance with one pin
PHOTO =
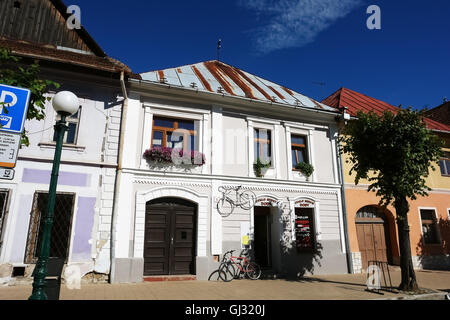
(272, 189)
(231, 180)
(52, 145)
(263, 121)
(171, 183)
(177, 109)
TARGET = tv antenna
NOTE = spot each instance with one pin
(322, 85)
(219, 47)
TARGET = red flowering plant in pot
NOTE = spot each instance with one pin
(169, 156)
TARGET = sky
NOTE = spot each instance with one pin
(314, 47)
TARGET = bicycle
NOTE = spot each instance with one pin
(238, 267)
(219, 274)
(226, 205)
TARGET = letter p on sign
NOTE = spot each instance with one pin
(7, 99)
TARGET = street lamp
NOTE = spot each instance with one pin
(65, 104)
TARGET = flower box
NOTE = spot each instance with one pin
(178, 157)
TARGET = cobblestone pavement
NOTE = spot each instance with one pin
(338, 287)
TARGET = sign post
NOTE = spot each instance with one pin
(13, 114)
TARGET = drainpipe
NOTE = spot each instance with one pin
(344, 204)
(118, 177)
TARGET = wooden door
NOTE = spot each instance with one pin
(170, 238)
(372, 242)
(182, 256)
(157, 240)
(379, 236)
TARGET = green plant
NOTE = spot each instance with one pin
(259, 166)
(305, 168)
(13, 73)
(394, 152)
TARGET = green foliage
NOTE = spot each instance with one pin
(12, 73)
(259, 166)
(394, 152)
(305, 168)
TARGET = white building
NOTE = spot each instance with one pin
(81, 229)
(165, 219)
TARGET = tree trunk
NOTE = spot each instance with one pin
(409, 282)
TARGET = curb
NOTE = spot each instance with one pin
(428, 296)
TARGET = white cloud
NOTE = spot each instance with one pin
(294, 23)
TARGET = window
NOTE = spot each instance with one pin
(299, 150)
(3, 206)
(263, 145)
(429, 227)
(444, 164)
(304, 229)
(61, 230)
(72, 133)
(174, 133)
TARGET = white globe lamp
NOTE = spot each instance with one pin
(66, 103)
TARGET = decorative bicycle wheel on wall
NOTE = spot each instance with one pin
(245, 199)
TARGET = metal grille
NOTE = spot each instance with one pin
(3, 211)
(61, 230)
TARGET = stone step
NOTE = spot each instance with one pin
(170, 278)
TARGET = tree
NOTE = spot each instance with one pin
(13, 73)
(394, 153)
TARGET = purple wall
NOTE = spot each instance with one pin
(65, 178)
(81, 248)
(21, 233)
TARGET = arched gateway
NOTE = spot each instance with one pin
(170, 237)
(372, 228)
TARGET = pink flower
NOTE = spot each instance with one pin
(164, 155)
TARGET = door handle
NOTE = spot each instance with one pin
(171, 241)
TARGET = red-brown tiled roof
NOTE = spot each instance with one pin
(50, 53)
(356, 102)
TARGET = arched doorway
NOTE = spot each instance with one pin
(373, 237)
(170, 237)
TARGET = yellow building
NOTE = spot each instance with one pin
(372, 230)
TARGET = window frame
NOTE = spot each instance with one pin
(297, 147)
(4, 217)
(444, 160)
(312, 229)
(70, 120)
(300, 129)
(166, 130)
(262, 142)
(35, 221)
(436, 226)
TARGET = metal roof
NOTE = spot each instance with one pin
(217, 77)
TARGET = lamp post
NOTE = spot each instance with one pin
(65, 104)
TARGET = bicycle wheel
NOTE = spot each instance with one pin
(253, 271)
(216, 276)
(248, 199)
(226, 272)
(225, 207)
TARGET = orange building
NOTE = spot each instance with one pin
(372, 230)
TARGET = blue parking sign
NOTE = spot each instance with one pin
(15, 101)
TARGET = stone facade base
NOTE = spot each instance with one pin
(357, 262)
(441, 262)
(127, 270)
